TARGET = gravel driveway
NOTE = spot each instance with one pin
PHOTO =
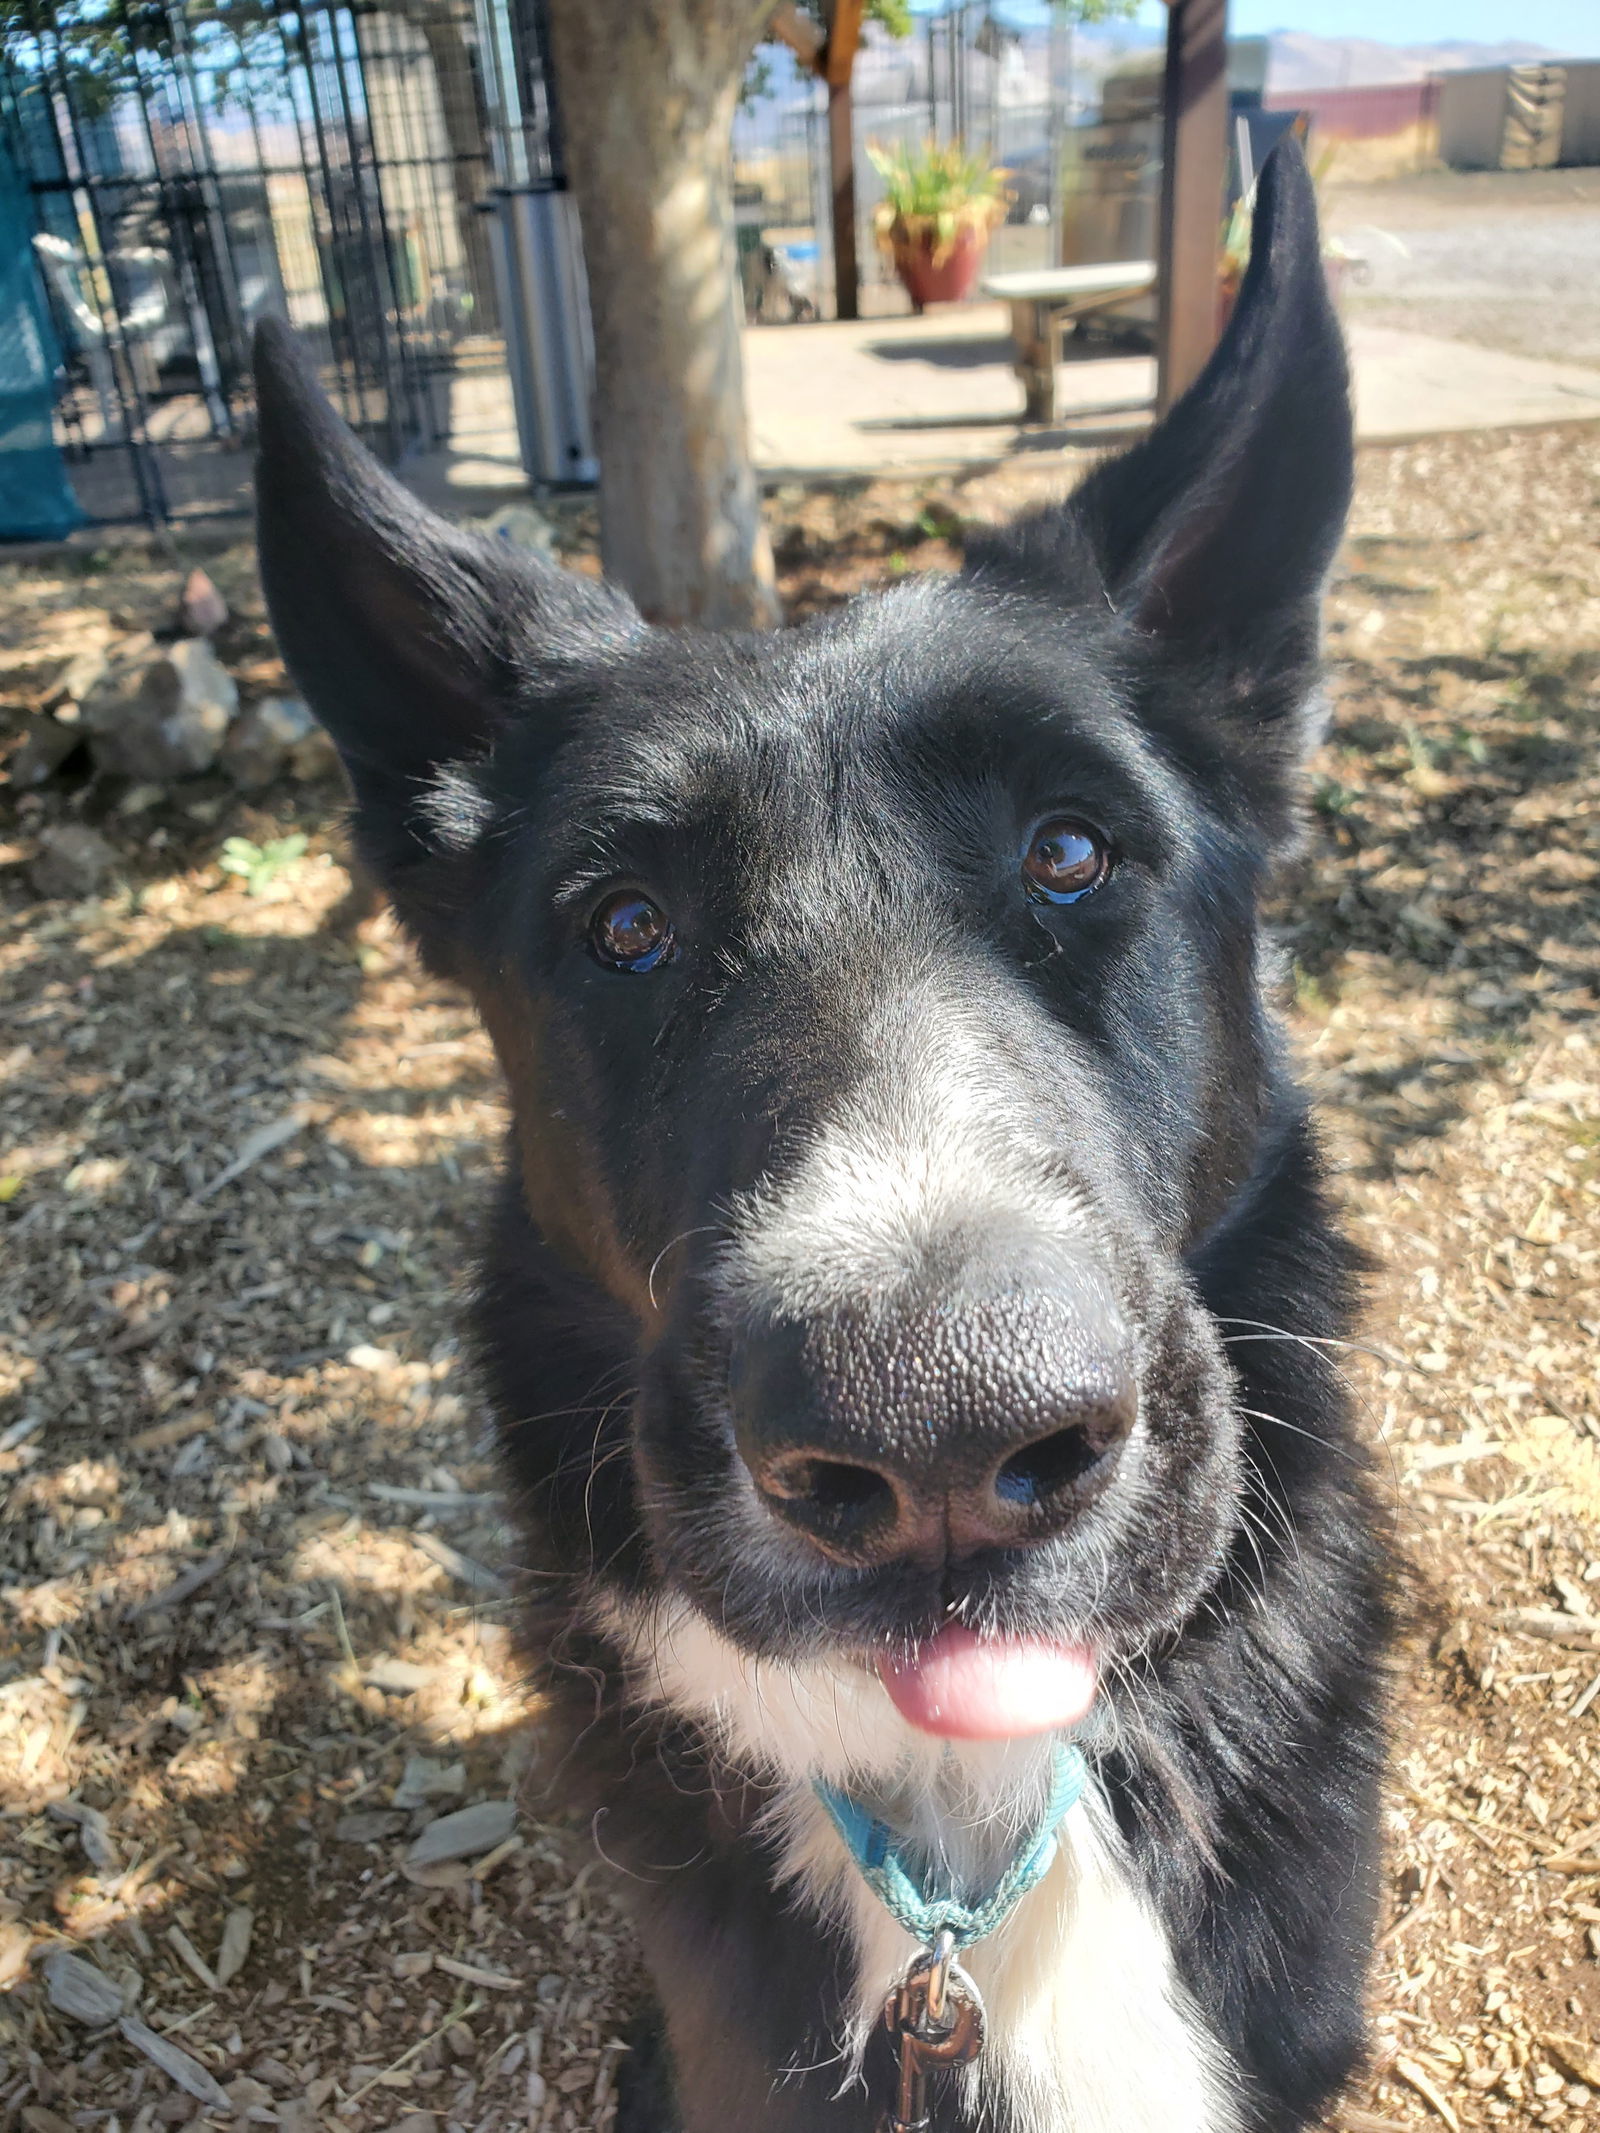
(1507, 259)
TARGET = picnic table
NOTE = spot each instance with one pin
(1045, 301)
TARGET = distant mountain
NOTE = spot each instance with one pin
(1300, 61)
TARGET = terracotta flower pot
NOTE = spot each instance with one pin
(954, 277)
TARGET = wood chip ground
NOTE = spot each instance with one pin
(253, 1632)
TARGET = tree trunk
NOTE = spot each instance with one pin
(647, 91)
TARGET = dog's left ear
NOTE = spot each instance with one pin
(1215, 534)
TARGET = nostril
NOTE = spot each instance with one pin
(828, 1485)
(1048, 1468)
(851, 1512)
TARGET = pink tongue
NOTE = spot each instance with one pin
(969, 1688)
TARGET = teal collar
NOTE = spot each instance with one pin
(883, 1858)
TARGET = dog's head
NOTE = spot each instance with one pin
(879, 1000)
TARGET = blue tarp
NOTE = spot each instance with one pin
(36, 502)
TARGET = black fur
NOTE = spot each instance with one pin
(833, 817)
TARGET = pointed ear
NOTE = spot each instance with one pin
(1216, 532)
(416, 644)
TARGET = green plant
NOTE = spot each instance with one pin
(259, 865)
(935, 191)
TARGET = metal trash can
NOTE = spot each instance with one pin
(544, 313)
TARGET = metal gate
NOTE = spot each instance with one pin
(195, 164)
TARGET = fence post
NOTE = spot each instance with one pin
(1194, 155)
(839, 57)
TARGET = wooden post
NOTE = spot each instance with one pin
(838, 59)
(1194, 151)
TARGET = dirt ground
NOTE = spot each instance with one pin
(253, 1640)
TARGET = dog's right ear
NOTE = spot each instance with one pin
(1213, 536)
(415, 643)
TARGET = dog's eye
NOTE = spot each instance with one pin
(1064, 860)
(629, 932)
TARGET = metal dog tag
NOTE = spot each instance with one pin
(935, 2017)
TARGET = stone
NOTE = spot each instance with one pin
(521, 526)
(425, 1779)
(262, 741)
(38, 2119)
(46, 745)
(71, 862)
(464, 1834)
(77, 1988)
(80, 677)
(398, 1677)
(234, 1947)
(94, 1833)
(314, 757)
(161, 712)
(16, 1946)
(201, 608)
(368, 1825)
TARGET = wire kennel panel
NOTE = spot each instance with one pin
(197, 164)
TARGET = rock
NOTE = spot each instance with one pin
(277, 1453)
(45, 747)
(1575, 2056)
(314, 757)
(80, 677)
(262, 742)
(416, 2122)
(201, 608)
(521, 526)
(234, 1946)
(39, 2120)
(16, 1945)
(161, 712)
(246, 2093)
(78, 1989)
(93, 1833)
(398, 1677)
(424, 1779)
(464, 1834)
(368, 1825)
(365, 1357)
(71, 862)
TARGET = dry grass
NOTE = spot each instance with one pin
(249, 1567)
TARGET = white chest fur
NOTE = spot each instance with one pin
(1089, 2028)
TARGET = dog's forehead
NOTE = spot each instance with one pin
(889, 715)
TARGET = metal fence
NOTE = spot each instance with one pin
(374, 171)
(194, 164)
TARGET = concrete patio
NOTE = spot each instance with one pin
(908, 396)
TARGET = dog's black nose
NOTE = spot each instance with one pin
(929, 1434)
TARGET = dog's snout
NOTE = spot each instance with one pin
(929, 1435)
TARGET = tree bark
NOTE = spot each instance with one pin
(647, 91)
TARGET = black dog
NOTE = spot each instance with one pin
(909, 1306)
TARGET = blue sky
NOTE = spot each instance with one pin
(1567, 25)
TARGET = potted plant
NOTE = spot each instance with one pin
(939, 205)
